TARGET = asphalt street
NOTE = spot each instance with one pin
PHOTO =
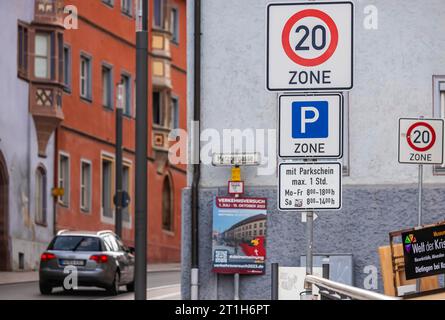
(161, 285)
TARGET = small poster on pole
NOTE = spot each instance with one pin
(239, 235)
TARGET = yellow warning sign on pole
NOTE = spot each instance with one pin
(236, 174)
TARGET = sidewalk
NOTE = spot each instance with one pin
(18, 277)
(163, 267)
(32, 276)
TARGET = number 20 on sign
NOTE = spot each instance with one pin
(421, 141)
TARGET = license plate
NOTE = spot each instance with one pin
(72, 262)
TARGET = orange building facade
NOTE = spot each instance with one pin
(99, 54)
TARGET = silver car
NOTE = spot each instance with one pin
(100, 259)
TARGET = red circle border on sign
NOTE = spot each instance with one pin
(288, 28)
(421, 124)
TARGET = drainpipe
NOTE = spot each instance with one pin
(196, 162)
(55, 178)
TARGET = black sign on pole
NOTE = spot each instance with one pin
(124, 199)
(424, 252)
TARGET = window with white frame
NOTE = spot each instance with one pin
(64, 179)
(107, 187)
(175, 25)
(107, 86)
(175, 113)
(85, 186)
(126, 82)
(42, 56)
(40, 196)
(439, 110)
(85, 78)
(126, 6)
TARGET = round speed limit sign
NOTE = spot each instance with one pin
(421, 141)
(421, 136)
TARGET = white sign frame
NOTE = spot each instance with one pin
(338, 190)
(436, 150)
(337, 133)
(341, 58)
(236, 187)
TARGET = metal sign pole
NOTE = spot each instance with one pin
(236, 287)
(419, 218)
(141, 188)
(309, 247)
(275, 279)
(119, 166)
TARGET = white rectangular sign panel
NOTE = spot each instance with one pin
(421, 141)
(309, 46)
(291, 282)
(236, 159)
(309, 186)
(311, 126)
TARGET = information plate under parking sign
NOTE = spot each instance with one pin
(311, 126)
(310, 186)
(421, 141)
(309, 46)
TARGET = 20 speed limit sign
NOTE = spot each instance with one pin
(421, 141)
(309, 46)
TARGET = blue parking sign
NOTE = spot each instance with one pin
(310, 119)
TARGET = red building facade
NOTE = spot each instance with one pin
(100, 53)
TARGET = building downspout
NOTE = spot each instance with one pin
(196, 162)
(55, 178)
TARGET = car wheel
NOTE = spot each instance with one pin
(114, 288)
(45, 288)
(130, 287)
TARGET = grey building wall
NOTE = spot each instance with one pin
(393, 72)
(369, 213)
(18, 143)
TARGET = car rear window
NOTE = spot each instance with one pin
(75, 243)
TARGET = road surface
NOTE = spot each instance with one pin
(163, 285)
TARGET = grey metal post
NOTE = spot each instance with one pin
(309, 245)
(141, 220)
(419, 217)
(236, 286)
(119, 166)
(194, 280)
(275, 276)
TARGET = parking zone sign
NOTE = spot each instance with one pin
(311, 126)
(309, 46)
(421, 141)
